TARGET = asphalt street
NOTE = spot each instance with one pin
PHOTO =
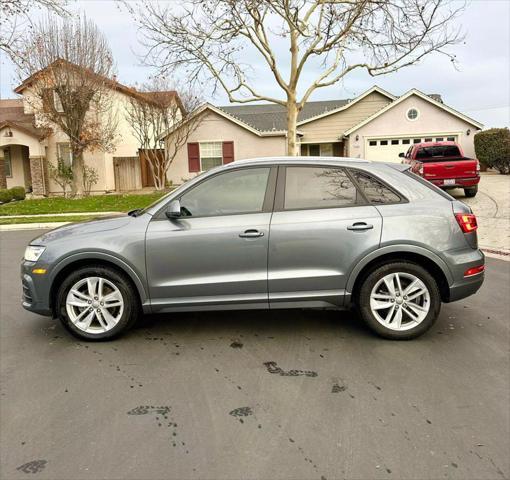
(256, 395)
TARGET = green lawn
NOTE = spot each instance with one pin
(64, 218)
(96, 203)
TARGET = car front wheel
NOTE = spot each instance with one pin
(97, 303)
(399, 300)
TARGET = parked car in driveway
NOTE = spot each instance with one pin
(300, 232)
(444, 164)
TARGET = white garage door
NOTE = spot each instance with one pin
(387, 149)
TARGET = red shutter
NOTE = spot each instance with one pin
(193, 157)
(228, 152)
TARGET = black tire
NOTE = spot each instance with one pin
(471, 192)
(129, 297)
(370, 280)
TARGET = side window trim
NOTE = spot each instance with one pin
(267, 205)
(279, 205)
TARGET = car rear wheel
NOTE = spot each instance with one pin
(399, 300)
(471, 192)
(97, 303)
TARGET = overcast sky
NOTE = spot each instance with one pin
(480, 88)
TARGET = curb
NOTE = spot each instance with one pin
(31, 226)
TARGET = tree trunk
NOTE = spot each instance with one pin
(292, 113)
(77, 188)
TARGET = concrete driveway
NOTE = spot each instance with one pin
(492, 208)
(256, 395)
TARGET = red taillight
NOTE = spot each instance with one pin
(474, 271)
(467, 222)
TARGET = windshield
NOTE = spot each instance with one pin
(437, 152)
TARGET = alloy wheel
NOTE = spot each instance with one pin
(400, 301)
(94, 305)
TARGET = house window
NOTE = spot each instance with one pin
(394, 142)
(406, 141)
(450, 139)
(412, 114)
(7, 163)
(372, 143)
(314, 150)
(211, 155)
(64, 153)
(383, 142)
(439, 139)
(428, 139)
(416, 140)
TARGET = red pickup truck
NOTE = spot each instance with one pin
(444, 164)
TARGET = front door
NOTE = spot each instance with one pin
(215, 255)
(320, 228)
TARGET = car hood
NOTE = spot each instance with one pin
(102, 224)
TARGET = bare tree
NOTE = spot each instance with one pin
(212, 40)
(67, 69)
(157, 111)
(16, 17)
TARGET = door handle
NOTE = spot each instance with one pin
(360, 226)
(251, 234)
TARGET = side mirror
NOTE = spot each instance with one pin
(174, 209)
(401, 154)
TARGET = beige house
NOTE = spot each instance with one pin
(375, 125)
(26, 149)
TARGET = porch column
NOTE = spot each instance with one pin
(39, 175)
(3, 180)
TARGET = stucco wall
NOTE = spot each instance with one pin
(432, 121)
(332, 127)
(215, 128)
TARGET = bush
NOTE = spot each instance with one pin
(90, 178)
(5, 195)
(492, 148)
(18, 193)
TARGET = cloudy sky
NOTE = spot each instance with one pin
(479, 88)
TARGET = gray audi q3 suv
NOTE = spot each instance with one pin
(300, 232)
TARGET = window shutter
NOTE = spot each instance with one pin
(193, 157)
(228, 152)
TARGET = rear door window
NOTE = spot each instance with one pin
(375, 191)
(318, 187)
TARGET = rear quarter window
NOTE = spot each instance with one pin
(374, 190)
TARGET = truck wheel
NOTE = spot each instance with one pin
(399, 300)
(97, 303)
(471, 192)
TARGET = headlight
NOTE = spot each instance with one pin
(32, 253)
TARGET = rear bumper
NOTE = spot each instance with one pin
(459, 182)
(459, 262)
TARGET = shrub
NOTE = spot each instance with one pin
(5, 195)
(62, 174)
(492, 148)
(90, 178)
(18, 193)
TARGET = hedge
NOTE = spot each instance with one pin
(18, 193)
(492, 148)
(14, 193)
(5, 195)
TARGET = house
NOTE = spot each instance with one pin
(376, 125)
(26, 149)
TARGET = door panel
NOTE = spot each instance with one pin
(311, 253)
(205, 261)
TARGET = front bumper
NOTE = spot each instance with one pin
(35, 296)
